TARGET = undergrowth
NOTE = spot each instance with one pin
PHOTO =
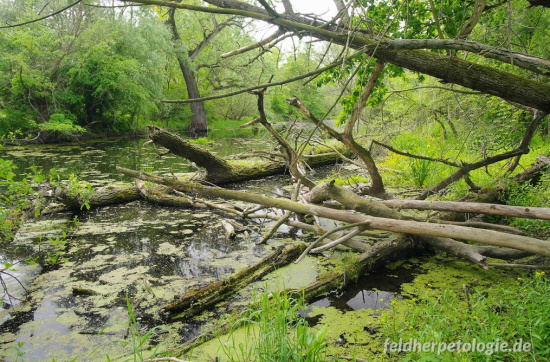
(273, 331)
(487, 316)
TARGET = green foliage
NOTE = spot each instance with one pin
(66, 65)
(203, 141)
(82, 191)
(505, 313)
(136, 338)
(62, 124)
(530, 195)
(414, 171)
(274, 332)
(17, 197)
(14, 120)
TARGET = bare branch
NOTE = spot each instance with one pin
(208, 38)
(293, 159)
(365, 94)
(42, 18)
(541, 213)
(479, 8)
(269, 9)
(338, 241)
(406, 154)
(259, 44)
(288, 7)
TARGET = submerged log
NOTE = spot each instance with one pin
(196, 300)
(377, 256)
(220, 171)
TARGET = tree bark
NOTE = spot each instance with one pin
(199, 122)
(220, 171)
(542, 213)
(102, 196)
(197, 300)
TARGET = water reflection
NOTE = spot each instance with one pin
(373, 291)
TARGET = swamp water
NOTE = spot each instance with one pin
(138, 254)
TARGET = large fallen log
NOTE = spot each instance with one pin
(220, 171)
(490, 237)
(396, 248)
(101, 196)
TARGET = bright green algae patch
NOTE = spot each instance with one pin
(448, 301)
(456, 302)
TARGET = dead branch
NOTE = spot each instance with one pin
(465, 168)
(407, 154)
(284, 218)
(293, 159)
(250, 47)
(542, 213)
(377, 188)
(339, 241)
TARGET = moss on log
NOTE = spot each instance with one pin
(220, 171)
(196, 300)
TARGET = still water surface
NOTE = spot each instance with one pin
(143, 252)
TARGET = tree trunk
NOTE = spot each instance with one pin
(199, 123)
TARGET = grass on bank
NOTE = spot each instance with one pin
(269, 330)
(448, 302)
(487, 312)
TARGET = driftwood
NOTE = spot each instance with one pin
(229, 231)
(196, 300)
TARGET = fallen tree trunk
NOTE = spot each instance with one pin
(102, 196)
(396, 248)
(490, 237)
(542, 213)
(542, 163)
(196, 300)
(220, 171)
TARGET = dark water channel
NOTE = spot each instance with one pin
(135, 252)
